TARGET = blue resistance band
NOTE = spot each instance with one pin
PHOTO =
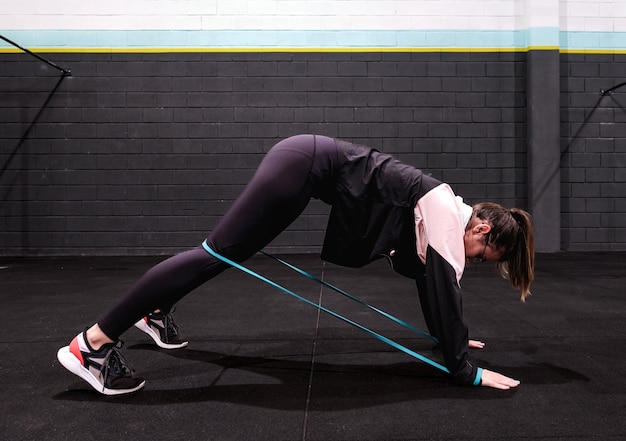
(328, 311)
(351, 297)
(479, 377)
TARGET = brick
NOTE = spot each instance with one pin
(485, 145)
(441, 99)
(620, 236)
(501, 193)
(292, 69)
(309, 114)
(612, 130)
(501, 160)
(74, 131)
(612, 190)
(456, 176)
(604, 235)
(472, 130)
(599, 175)
(386, 99)
(383, 69)
(442, 130)
(352, 69)
(264, 68)
(397, 146)
(441, 69)
(337, 84)
(502, 130)
(156, 84)
(157, 115)
(599, 205)
(287, 130)
(411, 69)
(584, 160)
(339, 115)
(367, 84)
(232, 69)
(245, 84)
(352, 131)
(584, 70)
(141, 99)
(382, 130)
(457, 145)
(397, 84)
(427, 145)
(488, 115)
(586, 190)
(353, 99)
(201, 69)
(505, 99)
(395, 114)
(423, 114)
(308, 84)
(486, 176)
(263, 130)
(292, 99)
(322, 68)
(192, 130)
(474, 100)
(322, 99)
(443, 160)
(219, 84)
(585, 100)
(620, 175)
(586, 220)
(427, 84)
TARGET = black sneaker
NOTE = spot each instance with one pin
(106, 369)
(161, 327)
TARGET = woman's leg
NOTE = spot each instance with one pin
(276, 195)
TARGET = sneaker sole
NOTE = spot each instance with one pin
(143, 326)
(71, 363)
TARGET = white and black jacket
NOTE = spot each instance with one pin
(383, 207)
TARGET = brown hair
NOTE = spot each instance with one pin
(511, 230)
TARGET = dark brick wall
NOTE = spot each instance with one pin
(142, 153)
(593, 164)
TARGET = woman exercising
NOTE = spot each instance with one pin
(380, 208)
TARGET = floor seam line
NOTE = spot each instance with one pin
(312, 365)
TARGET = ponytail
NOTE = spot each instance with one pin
(512, 231)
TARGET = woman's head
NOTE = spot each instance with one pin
(506, 236)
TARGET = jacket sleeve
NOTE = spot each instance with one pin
(442, 306)
(440, 226)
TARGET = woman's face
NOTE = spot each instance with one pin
(476, 248)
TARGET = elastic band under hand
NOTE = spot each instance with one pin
(382, 338)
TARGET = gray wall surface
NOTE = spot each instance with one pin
(142, 153)
(593, 152)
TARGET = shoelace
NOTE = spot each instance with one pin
(115, 363)
(171, 329)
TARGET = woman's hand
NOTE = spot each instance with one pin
(475, 344)
(497, 381)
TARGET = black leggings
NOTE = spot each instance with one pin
(292, 172)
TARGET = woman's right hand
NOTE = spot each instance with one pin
(497, 381)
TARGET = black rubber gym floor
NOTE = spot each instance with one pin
(262, 365)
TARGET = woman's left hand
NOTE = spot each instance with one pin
(475, 344)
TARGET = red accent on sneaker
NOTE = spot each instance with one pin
(74, 349)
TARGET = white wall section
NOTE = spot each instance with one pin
(317, 24)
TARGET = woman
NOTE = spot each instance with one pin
(380, 208)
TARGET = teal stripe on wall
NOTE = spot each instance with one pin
(268, 39)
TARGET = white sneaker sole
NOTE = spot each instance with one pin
(143, 326)
(71, 363)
